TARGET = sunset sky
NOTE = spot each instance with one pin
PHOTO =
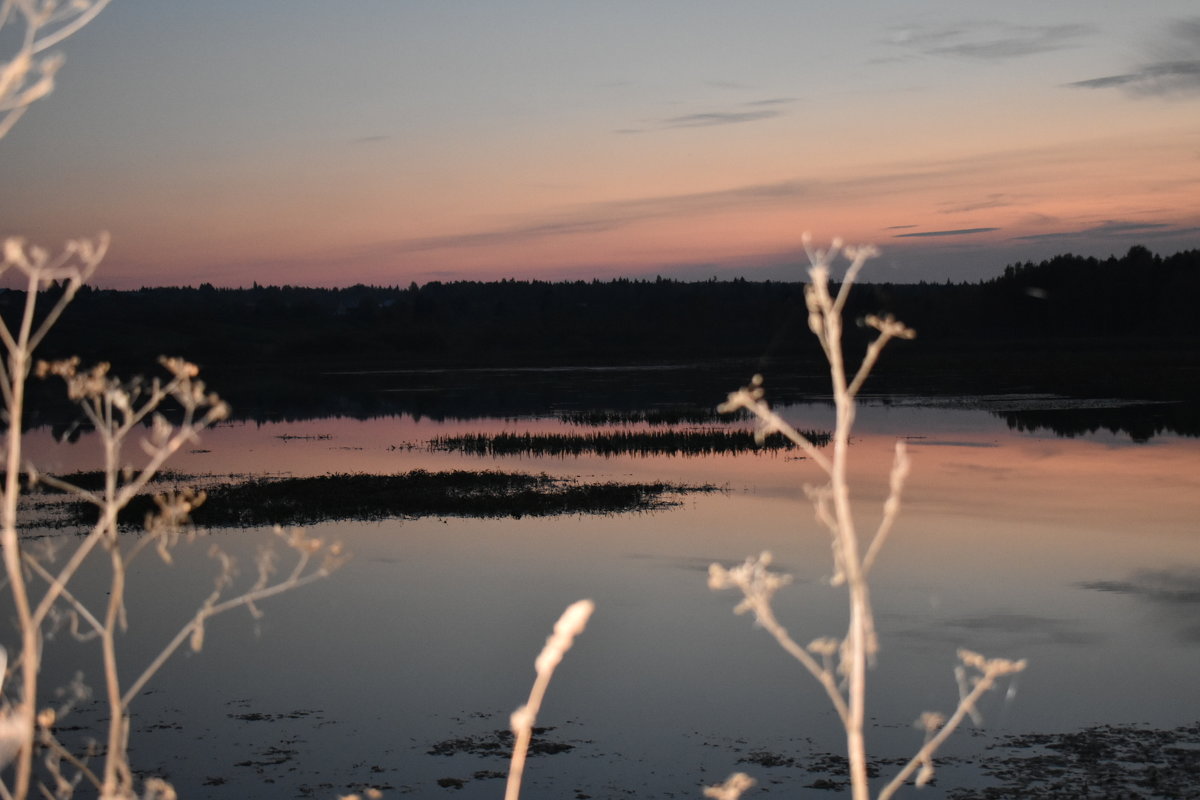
(389, 141)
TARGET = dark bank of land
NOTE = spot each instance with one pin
(1118, 327)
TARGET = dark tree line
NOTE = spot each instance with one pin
(1137, 295)
(1066, 313)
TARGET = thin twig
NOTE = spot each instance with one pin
(198, 621)
(891, 507)
(990, 670)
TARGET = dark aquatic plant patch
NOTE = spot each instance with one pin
(496, 744)
(499, 744)
(1103, 762)
(1107, 761)
(459, 493)
(702, 442)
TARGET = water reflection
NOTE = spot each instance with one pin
(683, 392)
(1078, 553)
(1140, 422)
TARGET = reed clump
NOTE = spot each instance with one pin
(610, 444)
(675, 415)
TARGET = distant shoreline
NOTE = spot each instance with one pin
(1123, 327)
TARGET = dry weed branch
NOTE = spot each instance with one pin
(569, 625)
(843, 664)
(25, 77)
(119, 412)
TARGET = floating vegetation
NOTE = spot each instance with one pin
(701, 442)
(1106, 761)
(460, 493)
(499, 744)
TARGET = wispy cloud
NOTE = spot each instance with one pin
(958, 232)
(706, 119)
(987, 41)
(751, 111)
(1173, 70)
(1109, 228)
(1162, 78)
(600, 217)
(612, 215)
(996, 200)
(591, 219)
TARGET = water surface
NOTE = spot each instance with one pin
(1080, 554)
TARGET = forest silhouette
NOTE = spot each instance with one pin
(1118, 327)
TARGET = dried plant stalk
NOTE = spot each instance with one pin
(844, 679)
(569, 625)
(119, 412)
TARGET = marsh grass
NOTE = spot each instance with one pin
(609, 444)
(419, 493)
(675, 415)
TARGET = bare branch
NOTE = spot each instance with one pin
(989, 670)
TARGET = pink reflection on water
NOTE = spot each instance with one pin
(1014, 544)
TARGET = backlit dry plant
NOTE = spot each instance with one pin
(28, 74)
(119, 412)
(160, 415)
(569, 626)
(840, 665)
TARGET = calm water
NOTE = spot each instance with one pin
(1081, 554)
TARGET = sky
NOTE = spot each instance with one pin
(394, 141)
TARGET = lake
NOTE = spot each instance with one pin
(1080, 553)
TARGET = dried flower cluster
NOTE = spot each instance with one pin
(162, 415)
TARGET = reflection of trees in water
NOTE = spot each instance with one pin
(666, 394)
(1140, 423)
